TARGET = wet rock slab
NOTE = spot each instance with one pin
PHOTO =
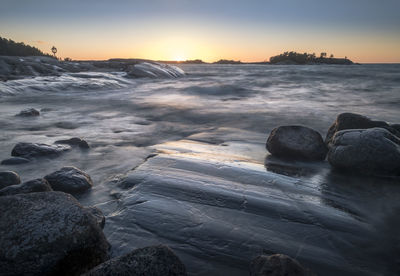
(48, 233)
(218, 216)
(150, 261)
(276, 265)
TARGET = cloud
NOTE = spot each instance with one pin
(39, 42)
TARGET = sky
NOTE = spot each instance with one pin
(366, 31)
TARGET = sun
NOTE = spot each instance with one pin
(178, 57)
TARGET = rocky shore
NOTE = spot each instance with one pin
(44, 230)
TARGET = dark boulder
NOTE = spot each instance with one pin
(276, 265)
(8, 178)
(14, 161)
(29, 112)
(296, 142)
(150, 261)
(98, 214)
(373, 151)
(356, 121)
(70, 180)
(48, 233)
(74, 142)
(32, 186)
(29, 150)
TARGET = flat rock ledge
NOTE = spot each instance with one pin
(150, 261)
(48, 233)
(296, 142)
(70, 180)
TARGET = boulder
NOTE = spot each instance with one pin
(29, 150)
(98, 214)
(8, 178)
(48, 233)
(14, 161)
(29, 112)
(70, 180)
(74, 142)
(150, 261)
(32, 186)
(373, 151)
(356, 121)
(276, 265)
(296, 142)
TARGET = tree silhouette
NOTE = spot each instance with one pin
(54, 50)
(323, 55)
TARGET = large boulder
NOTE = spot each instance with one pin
(356, 121)
(373, 151)
(32, 186)
(29, 112)
(276, 265)
(150, 261)
(48, 233)
(75, 141)
(70, 180)
(29, 150)
(8, 178)
(296, 142)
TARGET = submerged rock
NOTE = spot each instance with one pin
(48, 233)
(356, 121)
(373, 151)
(29, 112)
(29, 150)
(276, 265)
(98, 214)
(296, 142)
(70, 180)
(8, 178)
(74, 142)
(150, 261)
(14, 161)
(32, 186)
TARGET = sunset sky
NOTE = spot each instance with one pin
(362, 30)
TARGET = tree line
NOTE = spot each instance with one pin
(9, 47)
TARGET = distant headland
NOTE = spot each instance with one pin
(9, 47)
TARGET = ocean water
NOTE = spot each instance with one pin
(183, 162)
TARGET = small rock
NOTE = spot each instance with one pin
(276, 265)
(98, 214)
(8, 178)
(48, 233)
(29, 150)
(32, 186)
(353, 121)
(74, 142)
(296, 142)
(373, 151)
(70, 180)
(150, 261)
(14, 161)
(29, 112)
